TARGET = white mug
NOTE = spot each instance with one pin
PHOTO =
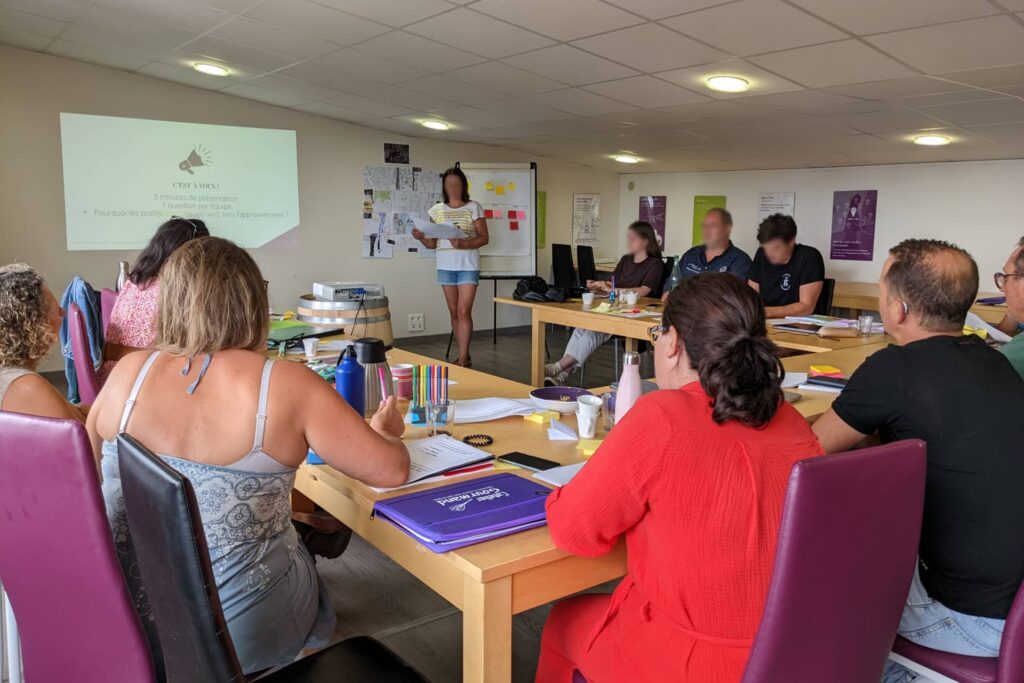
(588, 298)
(311, 346)
(587, 424)
(589, 405)
(631, 298)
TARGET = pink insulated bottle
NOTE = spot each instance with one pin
(628, 392)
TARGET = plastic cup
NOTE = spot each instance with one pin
(864, 324)
(311, 347)
(440, 417)
(589, 405)
(587, 424)
(588, 299)
(631, 298)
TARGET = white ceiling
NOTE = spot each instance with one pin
(835, 82)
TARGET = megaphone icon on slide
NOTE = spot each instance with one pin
(199, 156)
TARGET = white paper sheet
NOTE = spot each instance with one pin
(794, 379)
(974, 321)
(559, 431)
(444, 231)
(437, 454)
(559, 476)
(486, 409)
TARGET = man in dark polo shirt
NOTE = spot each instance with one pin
(787, 275)
(716, 254)
(964, 399)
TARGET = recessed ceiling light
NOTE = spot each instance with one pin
(728, 84)
(210, 69)
(931, 140)
(435, 125)
(625, 158)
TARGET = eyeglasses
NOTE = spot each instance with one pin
(655, 331)
(1000, 279)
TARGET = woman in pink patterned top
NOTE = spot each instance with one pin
(133, 318)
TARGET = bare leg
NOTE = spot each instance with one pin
(467, 295)
(451, 297)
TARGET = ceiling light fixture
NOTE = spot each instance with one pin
(435, 125)
(728, 84)
(210, 69)
(931, 140)
(626, 159)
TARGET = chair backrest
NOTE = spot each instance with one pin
(666, 274)
(174, 561)
(107, 299)
(846, 555)
(58, 563)
(585, 263)
(828, 290)
(1011, 649)
(563, 274)
(88, 384)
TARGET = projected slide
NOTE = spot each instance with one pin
(123, 177)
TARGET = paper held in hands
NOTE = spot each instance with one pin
(443, 231)
(436, 455)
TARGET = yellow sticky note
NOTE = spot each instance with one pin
(502, 465)
(499, 189)
(511, 187)
(541, 417)
(488, 185)
(825, 370)
(588, 446)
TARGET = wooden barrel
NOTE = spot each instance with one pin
(368, 318)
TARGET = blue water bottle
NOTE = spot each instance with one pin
(350, 380)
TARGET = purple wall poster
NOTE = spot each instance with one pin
(652, 210)
(853, 225)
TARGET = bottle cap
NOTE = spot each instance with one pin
(631, 358)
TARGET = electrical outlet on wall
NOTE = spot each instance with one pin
(416, 322)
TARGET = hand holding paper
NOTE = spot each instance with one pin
(443, 231)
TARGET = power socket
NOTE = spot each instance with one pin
(416, 323)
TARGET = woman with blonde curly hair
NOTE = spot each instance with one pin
(29, 327)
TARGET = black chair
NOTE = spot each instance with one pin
(174, 562)
(828, 290)
(666, 275)
(585, 264)
(563, 274)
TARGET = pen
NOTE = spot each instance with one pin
(383, 383)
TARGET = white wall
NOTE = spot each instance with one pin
(977, 205)
(36, 88)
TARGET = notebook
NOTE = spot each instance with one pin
(467, 512)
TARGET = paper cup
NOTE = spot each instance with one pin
(588, 298)
(311, 347)
(631, 298)
(587, 424)
(589, 405)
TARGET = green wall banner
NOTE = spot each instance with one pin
(702, 203)
(542, 218)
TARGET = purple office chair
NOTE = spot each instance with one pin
(1008, 667)
(58, 563)
(107, 299)
(88, 383)
(846, 556)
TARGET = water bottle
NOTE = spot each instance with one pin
(349, 378)
(629, 389)
(122, 275)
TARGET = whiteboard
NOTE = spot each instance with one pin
(508, 195)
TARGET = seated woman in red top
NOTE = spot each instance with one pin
(694, 478)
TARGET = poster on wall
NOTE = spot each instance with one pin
(652, 210)
(775, 202)
(392, 197)
(586, 218)
(396, 153)
(702, 203)
(853, 225)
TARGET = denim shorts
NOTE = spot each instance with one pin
(458, 277)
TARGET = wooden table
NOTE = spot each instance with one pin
(863, 296)
(574, 314)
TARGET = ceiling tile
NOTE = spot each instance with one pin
(562, 20)
(336, 79)
(333, 111)
(650, 48)
(761, 81)
(254, 92)
(569, 65)
(182, 13)
(895, 89)
(525, 110)
(750, 27)
(994, 77)
(23, 39)
(112, 42)
(874, 16)
(62, 10)
(720, 111)
(468, 30)
(409, 99)
(368, 105)
(308, 91)
(1004, 110)
(646, 92)
(453, 90)
(273, 38)
(187, 75)
(580, 102)
(135, 26)
(311, 19)
(820, 66)
(972, 44)
(238, 53)
(814, 103)
(96, 55)
(391, 12)
(1001, 132)
(371, 66)
(659, 9)
(887, 121)
(420, 52)
(15, 21)
(970, 95)
(479, 117)
(504, 78)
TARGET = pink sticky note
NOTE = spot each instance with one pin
(521, 215)
(498, 213)
(513, 225)
(488, 213)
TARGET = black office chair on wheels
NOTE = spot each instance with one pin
(585, 264)
(563, 273)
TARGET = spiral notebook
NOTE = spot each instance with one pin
(467, 512)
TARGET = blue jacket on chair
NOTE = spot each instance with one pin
(81, 293)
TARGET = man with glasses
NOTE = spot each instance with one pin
(964, 400)
(1011, 283)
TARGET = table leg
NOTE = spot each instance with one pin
(537, 351)
(487, 631)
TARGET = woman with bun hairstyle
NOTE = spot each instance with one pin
(694, 478)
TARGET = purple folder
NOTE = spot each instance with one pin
(467, 512)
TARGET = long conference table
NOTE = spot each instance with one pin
(490, 582)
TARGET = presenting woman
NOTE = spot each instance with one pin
(458, 260)
(694, 479)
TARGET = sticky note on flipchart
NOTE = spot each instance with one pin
(521, 215)
(488, 213)
(511, 187)
(499, 189)
(513, 225)
(498, 213)
(488, 185)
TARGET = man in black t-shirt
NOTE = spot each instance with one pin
(789, 276)
(964, 399)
